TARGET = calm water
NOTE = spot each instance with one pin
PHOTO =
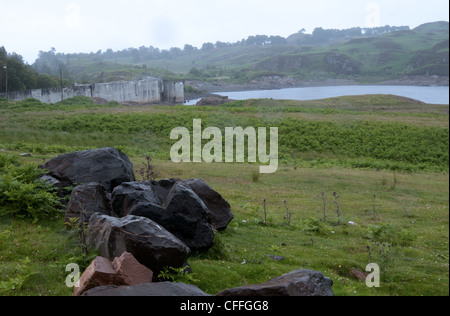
(433, 95)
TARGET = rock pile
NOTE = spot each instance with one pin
(158, 222)
(142, 227)
(295, 283)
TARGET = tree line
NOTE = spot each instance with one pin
(51, 61)
(19, 76)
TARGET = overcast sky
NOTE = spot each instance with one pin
(71, 26)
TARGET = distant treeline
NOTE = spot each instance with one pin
(50, 62)
(22, 76)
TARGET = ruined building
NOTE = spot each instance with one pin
(147, 90)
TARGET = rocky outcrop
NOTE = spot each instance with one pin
(295, 283)
(148, 242)
(341, 64)
(107, 166)
(214, 100)
(283, 63)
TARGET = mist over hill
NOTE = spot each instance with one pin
(364, 55)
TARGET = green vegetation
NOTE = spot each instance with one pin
(22, 76)
(384, 158)
(21, 195)
(365, 55)
(349, 132)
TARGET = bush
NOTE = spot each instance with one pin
(390, 234)
(21, 195)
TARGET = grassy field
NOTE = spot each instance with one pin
(385, 157)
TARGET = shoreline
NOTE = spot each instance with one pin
(209, 89)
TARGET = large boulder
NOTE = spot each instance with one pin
(88, 198)
(137, 198)
(151, 244)
(219, 208)
(295, 283)
(170, 203)
(107, 166)
(188, 218)
(149, 289)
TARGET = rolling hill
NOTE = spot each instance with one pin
(363, 55)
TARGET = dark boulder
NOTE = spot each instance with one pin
(108, 166)
(148, 289)
(57, 185)
(172, 204)
(188, 218)
(295, 283)
(148, 242)
(90, 198)
(219, 208)
(135, 198)
(162, 188)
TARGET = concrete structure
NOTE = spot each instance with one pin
(148, 90)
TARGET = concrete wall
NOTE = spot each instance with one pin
(173, 92)
(149, 90)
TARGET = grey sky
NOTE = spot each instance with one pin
(28, 26)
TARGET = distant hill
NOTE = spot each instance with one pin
(361, 54)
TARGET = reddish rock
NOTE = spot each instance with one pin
(358, 274)
(100, 272)
(130, 272)
(124, 270)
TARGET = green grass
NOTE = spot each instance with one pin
(396, 191)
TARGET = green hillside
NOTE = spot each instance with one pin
(364, 55)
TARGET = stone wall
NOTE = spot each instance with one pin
(148, 90)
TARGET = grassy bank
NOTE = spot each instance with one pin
(385, 157)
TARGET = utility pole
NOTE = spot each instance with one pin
(61, 84)
(6, 90)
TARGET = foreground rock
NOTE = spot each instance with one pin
(124, 270)
(295, 283)
(188, 218)
(107, 166)
(137, 198)
(88, 198)
(219, 208)
(191, 210)
(150, 289)
(148, 242)
(133, 197)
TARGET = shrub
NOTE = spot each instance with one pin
(390, 234)
(21, 195)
